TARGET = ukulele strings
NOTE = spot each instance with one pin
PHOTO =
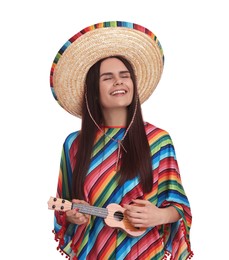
(118, 216)
(115, 215)
(125, 219)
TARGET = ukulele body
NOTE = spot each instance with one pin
(117, 219)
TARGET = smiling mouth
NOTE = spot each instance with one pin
(118, 92)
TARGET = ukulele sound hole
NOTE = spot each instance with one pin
(118, 216)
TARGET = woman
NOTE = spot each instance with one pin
(117, 158)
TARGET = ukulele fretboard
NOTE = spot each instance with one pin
(91, 210)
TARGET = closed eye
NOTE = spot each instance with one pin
(107, 78)
(125, 74)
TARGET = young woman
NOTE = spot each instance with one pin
(117, 163)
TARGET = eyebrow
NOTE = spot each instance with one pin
(110, 73)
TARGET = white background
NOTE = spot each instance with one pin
(191, 103)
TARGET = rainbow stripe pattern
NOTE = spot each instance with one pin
(99, 241)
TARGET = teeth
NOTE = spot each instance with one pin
(118, 92)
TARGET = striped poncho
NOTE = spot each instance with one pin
(96, 240)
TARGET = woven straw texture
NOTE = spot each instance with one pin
(71, 64)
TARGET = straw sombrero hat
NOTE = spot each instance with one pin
(132, 41)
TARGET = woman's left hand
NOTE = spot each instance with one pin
(144, 214)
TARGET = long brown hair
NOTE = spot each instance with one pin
(136, 161)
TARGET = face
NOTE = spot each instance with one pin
(115, 85)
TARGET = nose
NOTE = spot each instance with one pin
(118, 82)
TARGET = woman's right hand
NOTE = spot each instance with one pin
(75, 217)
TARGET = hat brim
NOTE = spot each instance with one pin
(134, 42)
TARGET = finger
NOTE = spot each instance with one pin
(136, 222)
(80, 215)
(70, 213)
(139, 225)
(141, 202)
(136, 217)
(133, 215)
(135, 209)
(131, 207)
(83, 219)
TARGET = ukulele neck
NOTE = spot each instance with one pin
(91, 210)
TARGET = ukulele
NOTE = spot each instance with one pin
(113, 214)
